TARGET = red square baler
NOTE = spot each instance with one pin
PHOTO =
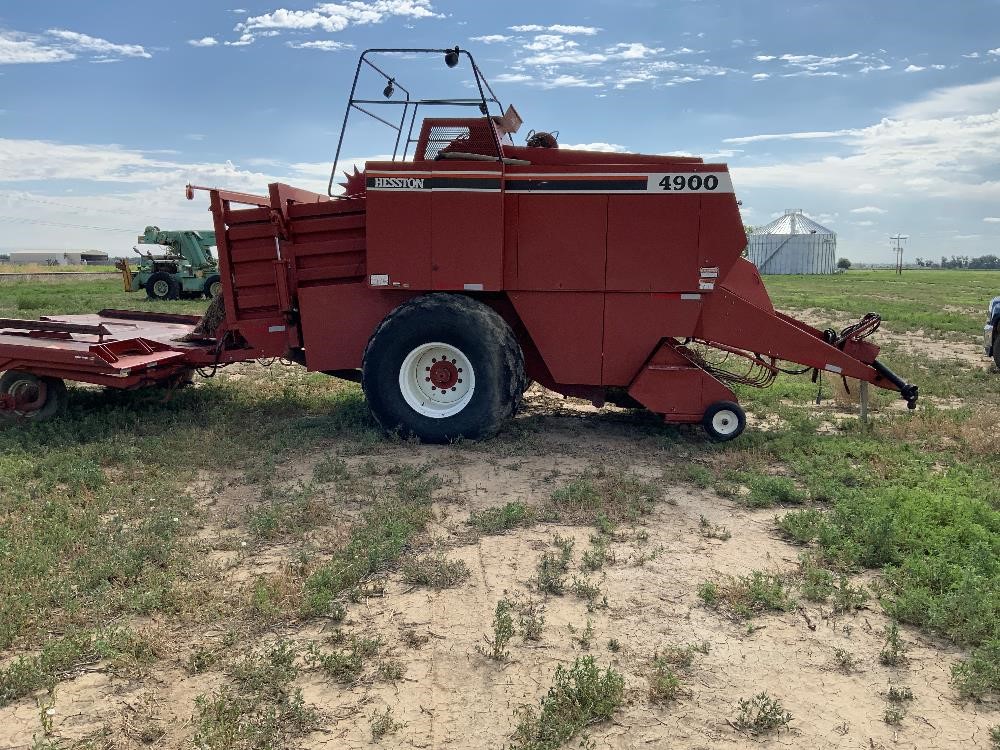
(447, 281)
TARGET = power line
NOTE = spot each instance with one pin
(25, 220)
(65, 206)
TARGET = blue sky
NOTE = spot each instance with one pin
(874, 117)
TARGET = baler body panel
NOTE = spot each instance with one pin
(568, 329)
(561, 242)
(634, 325)
(439, 226)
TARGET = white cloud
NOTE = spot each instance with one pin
(132, 185)
(868, 210)
(61, 45)
(633, 51)
(995, 51)
(513, 78)
(331, 17)
(205, 41)
(865, 223)
(827, 65)
(803, 136)
(610, 148)
(491, 38)
(568, 81)
(83, 42)
(911, 68)
(558, 29)
(972, 98)
(817, 61)
(992, 219)
(325, 45)
(760, 76)
(813, 73)
(943, 146)
(967, 236)
(555, 49)
(17, 48)
(243, 41)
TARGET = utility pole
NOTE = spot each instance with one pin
(897, 246)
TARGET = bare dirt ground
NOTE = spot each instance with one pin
(452, 696)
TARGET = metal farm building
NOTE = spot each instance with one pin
(791, 244)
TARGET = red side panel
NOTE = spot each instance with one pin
(510, 219)
(634, 325)
(326, 242)
(653, 242)
(744, 279)
(399, 237)
(249, 248)
(561, 241)
(338, 320)
(675, 387)
(568, 331)
(722, 236)
(467, 238)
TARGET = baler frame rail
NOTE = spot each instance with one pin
(43, 325)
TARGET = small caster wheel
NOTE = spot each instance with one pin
(724, 420)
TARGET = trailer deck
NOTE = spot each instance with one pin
(127, 349)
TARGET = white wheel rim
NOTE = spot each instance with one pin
(437, 380)
(725, 422)
(215, 288)
(160, 288)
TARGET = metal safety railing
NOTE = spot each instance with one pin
(411, 106)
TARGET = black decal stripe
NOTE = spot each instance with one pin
(602, 185)
(464, 183)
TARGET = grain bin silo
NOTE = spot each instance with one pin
(793, 243)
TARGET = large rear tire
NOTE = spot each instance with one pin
(443, 367)
(30, 397)
(213, 286)
(996, 344)
(162, 286)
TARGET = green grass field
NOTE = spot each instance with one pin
(100, 520)
(54, 296)
(945, 302)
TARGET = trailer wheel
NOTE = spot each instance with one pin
(161, 285)
(724, 420)
(213, 286)
(28, 397)
(443, 367)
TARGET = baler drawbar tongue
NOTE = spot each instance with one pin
(907, 390)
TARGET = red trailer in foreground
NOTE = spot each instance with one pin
(447, 281)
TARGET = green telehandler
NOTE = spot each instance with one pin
(173, 264)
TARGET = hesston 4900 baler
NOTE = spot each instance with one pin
(445, 282)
